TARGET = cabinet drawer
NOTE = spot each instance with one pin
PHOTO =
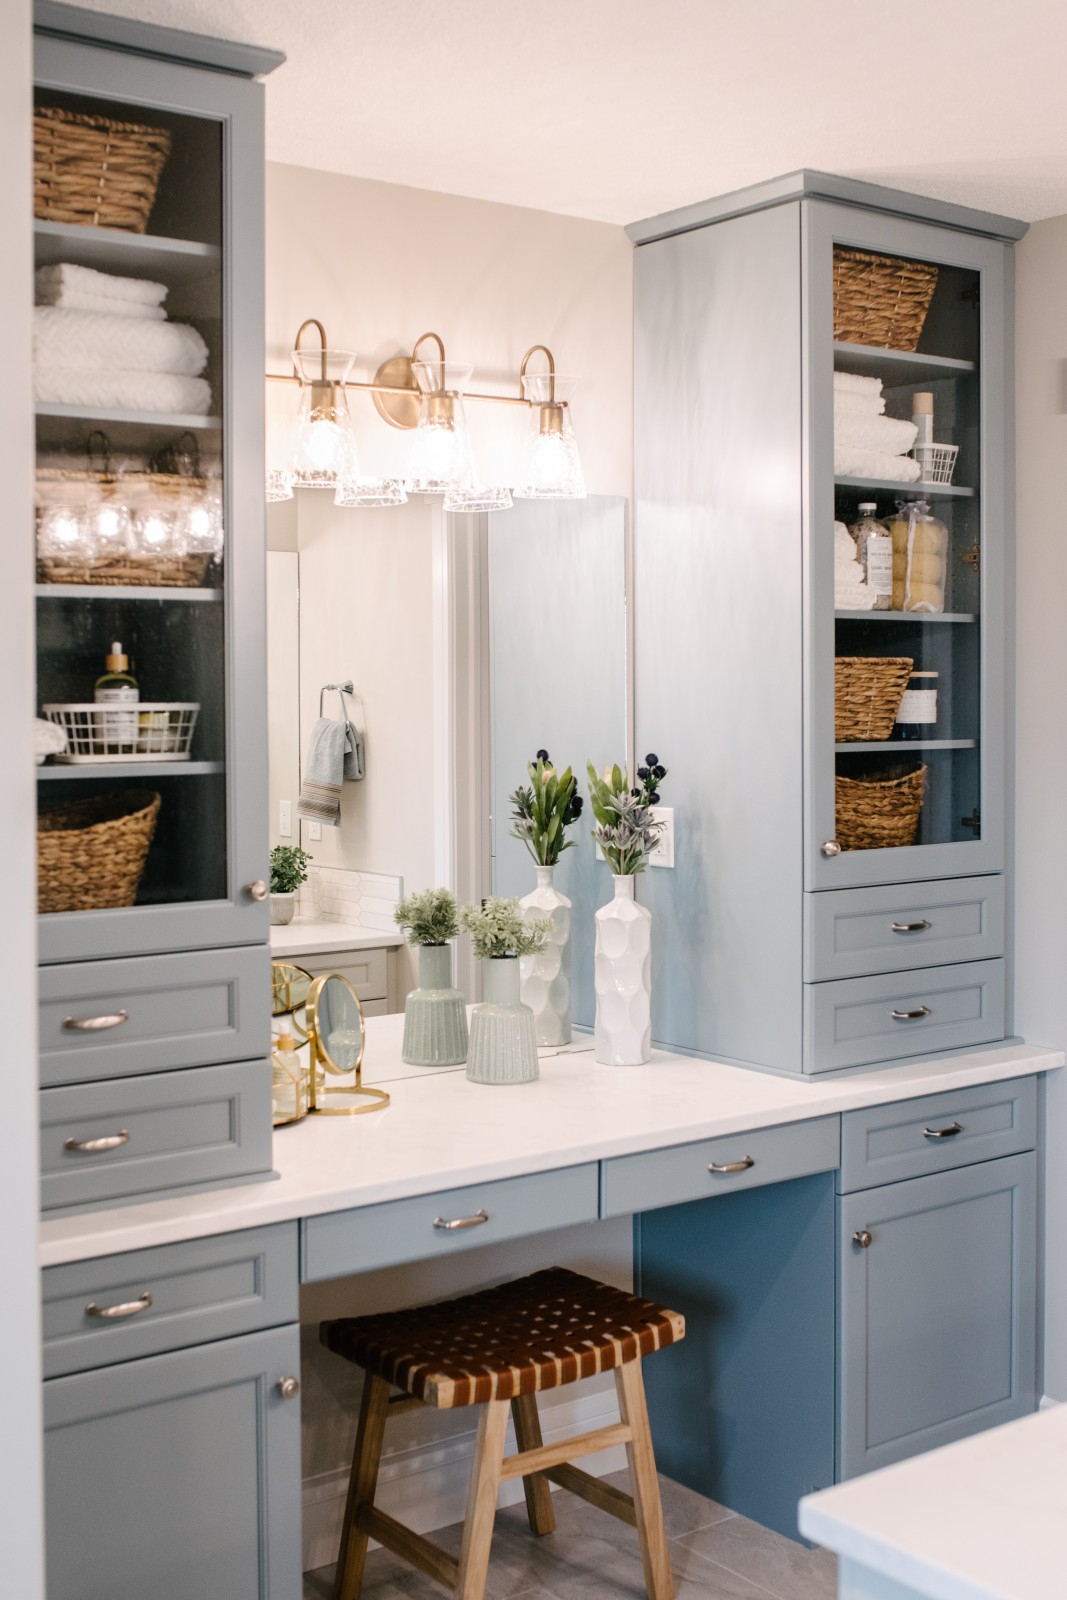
(185, 1294)
(769, 1155)
(859, 1020)
(154, 1013)
(404, 1230)
(883, 1144)
(853, 932)
(205, 1124)
(366, 970)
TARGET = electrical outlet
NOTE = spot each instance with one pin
(314, 831)
(285, 818)
(663, 854)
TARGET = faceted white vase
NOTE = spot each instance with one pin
(545, 979)
(503, 1042)
(623, 975)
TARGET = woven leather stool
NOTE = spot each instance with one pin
(498, 1349)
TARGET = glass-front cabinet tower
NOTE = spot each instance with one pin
(823, 541)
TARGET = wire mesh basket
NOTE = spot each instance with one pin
(937, 462)
(135, 730)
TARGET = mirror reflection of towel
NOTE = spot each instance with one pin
(355, 766)
(320, 786)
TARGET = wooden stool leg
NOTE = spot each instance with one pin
(481, 1501)
(654, 1556)
(535, 1487)
(352, 1555)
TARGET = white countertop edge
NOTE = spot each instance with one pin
(299, 938)
(301, 1187)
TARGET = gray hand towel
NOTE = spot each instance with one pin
(355, 759)
(320, 787)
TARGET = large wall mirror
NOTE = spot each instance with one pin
(472, 644)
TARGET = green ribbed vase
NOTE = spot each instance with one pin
(435, 1014)
(503, 1045)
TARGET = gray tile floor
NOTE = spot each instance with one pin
(715, 1556)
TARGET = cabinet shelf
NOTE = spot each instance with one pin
(131, 770)
(898, 367)
(866, 747)
(923, 491)
(906, 616)
(172, 261)
(118, 591)
(126, 430)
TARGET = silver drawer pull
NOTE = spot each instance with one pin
(911, 1016)
(94, 1147)
(910, 927)
(732, 1166)
(462, 1222)
(96, 1024)
(943, 1133)
(128, 1308)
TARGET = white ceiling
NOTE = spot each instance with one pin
(618, 109)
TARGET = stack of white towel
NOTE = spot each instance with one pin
(101, 340)
(850, 585)
(868, 444)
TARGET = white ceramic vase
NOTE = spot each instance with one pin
(503, 1040)
(545, 979)
(435, 1014)
(282, 907)
(623, 976)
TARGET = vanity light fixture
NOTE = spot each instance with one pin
(442, 460)
(324, 441)
(551, 466)
(480, 498)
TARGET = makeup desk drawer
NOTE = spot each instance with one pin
(860, 1020)
(130, 1136)
(119, 1308)
(853, 932)
(910, 1138)
(101, 1019)
(718, 1166)
(438, 1224)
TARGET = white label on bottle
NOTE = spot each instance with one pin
(918, 705)
(115, 727)
(880, 563)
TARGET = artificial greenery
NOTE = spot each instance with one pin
(288, 868)
(545, 809)
(428, 918)
(497, 928)
(626, 830)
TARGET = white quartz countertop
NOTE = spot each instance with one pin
(301, 938)
(442, 1131)
(983, 1519)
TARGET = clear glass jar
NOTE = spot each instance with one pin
(917, 714)
(920, 546)
(874, 548)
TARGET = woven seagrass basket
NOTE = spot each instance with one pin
(95, 171)
(880, 299)
(879, 813)
(867, 695)
(144, 490)
(91, 853)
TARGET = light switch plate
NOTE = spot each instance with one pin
(314, 831)
(285, 818)
(663, 854)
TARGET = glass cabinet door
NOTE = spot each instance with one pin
(905, 760)
(148, 394)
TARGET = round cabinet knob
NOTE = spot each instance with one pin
(257, 890)
(288, 1388)
(831, 847)
(863, 1238)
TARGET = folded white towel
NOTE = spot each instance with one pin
(852, 463)
(130, 391)
(84, 340)
(52, 282)
(845, 400)
(845, 550)
(79, 300)
(853, 597)
(856, 383)
(889, 434)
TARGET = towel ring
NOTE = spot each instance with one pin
(347, 687)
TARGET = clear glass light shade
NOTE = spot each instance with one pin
(480, 498)
(441, 455)
(66, 531)
(202, 527)
(370, 492)
(279, 484)
(551, 466)
(324, 441)
(112, 530)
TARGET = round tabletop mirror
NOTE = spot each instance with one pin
(289, 988)
(338, 1034)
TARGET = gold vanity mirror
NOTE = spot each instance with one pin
(290, 1077)
(337, 1033)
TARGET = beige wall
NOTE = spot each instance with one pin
(1041, 718)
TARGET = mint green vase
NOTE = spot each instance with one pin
(503, 1046)
(435, 1014)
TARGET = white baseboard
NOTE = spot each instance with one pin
(1046, 1403)
(426, 1486)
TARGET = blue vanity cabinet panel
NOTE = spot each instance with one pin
(742, 1409)
(938, 1312)
(153, 1013)
(177, 1476)
(895, 927)
(168, 1297)
(413, 1229)
(910, 1138)
(718, 1166)
(855, 1021)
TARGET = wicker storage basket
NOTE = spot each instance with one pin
(139, 490)
(91, 853)
(880, 299)
(95, 171)
(879, 813)
(867, 695)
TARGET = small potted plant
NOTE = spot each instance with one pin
(627, 833)
(543, 811)
(503, 1042)
(435, 1014)
(288, 870)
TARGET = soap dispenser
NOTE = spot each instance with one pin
(117, 687)
(288, 1089)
